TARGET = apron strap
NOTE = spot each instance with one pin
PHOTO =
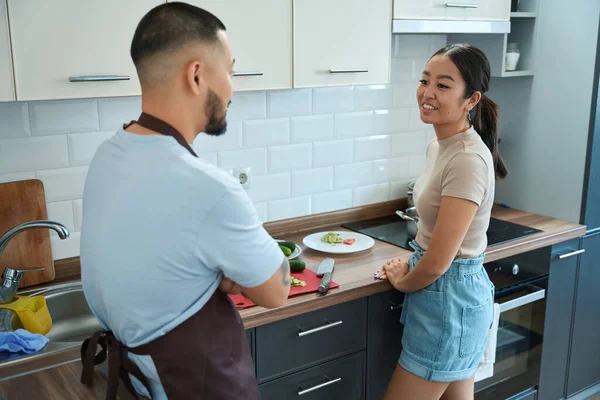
(158, 125)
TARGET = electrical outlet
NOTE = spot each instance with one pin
(243, 174)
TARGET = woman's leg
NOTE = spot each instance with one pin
(407, 386)
(460, 390)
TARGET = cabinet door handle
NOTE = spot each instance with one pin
(328, 325)
(455, 5)
(394, 306)
(248, 73)
(317, 387)
(347, 71)
(99, 78)
(571, 254)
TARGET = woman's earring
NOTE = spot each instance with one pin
(469, 116)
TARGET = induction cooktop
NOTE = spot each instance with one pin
(392, 230)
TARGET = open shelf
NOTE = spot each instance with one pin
(511, 74)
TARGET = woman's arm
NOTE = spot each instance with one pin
(453, 222)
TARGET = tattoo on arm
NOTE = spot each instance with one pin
(285, 272)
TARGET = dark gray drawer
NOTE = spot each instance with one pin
(530, 394)
(300, 342)
(342, 379)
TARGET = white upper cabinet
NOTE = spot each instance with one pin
(470, 10)
(260, 34)
(341, 43)
(73, 48)
(7, 90)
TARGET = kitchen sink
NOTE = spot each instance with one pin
(72, 319)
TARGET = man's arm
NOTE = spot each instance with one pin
(274, 292)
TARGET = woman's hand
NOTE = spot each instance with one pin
(393, 271)
(228, 286)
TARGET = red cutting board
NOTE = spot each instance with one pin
(308, 276)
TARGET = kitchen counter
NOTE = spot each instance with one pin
(354, 272)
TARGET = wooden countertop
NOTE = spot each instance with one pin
(354, 272)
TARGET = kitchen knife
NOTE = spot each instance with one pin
(325, 270)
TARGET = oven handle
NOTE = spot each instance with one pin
(523, 300)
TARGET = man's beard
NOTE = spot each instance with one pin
(216, 125)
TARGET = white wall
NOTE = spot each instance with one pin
(545, 119)
(311, 150)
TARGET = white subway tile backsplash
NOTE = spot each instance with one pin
(406, 144)
(287, 103)
(437, 42)
(415, 120)
(390, 121)
(333, 100)
(355, 124)
(353, 175)
(83, 146)
(16, 176)
(402, 70)
(62, 212)
(14, 120)
(266, 132)
(391, 170)
(331, 201)
(66, 248)
(77, 213)
(116, 111)
(417, 165)
(33, 153)
(230, 140)
(373, 97)
(333, 153)
(312, 181)
(405, 94)
(288, 208)
(398, 190)
(371, 194)
(63, 116)
(411, 46)
(261, 210)
(289, 158)
(312, 128)
(247, 105)
(270, 187)
(420, 64)
(372, 148)
(256, 159)
(63, 184)
(209, 157)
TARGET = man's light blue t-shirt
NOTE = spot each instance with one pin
(160, 228)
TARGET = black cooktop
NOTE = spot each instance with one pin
(392, 230)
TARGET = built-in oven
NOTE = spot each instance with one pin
(521, 283)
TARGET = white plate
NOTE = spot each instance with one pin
(362, 243)
(295, 253)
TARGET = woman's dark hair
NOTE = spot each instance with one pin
(475, 70)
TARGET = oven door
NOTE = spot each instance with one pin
(519, 341)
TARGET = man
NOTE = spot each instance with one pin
(165, 235)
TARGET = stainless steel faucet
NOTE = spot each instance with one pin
(12, 277)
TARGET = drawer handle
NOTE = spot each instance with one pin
(317, 387)
(394, 306)
(247, 73)
(454, 5)
(347, 71)
(99, 78)
(329, 325)
(571, 254)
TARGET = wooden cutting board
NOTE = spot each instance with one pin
(20, 202)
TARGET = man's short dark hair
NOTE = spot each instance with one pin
(171, 26)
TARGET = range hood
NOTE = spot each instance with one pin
(449, 26)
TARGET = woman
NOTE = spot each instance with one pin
(448, 307)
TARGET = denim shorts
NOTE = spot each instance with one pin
(446, 324)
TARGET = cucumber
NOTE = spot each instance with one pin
(297, 265)
(285, 250)
(289, 245)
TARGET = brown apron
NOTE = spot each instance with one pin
(205, 357)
